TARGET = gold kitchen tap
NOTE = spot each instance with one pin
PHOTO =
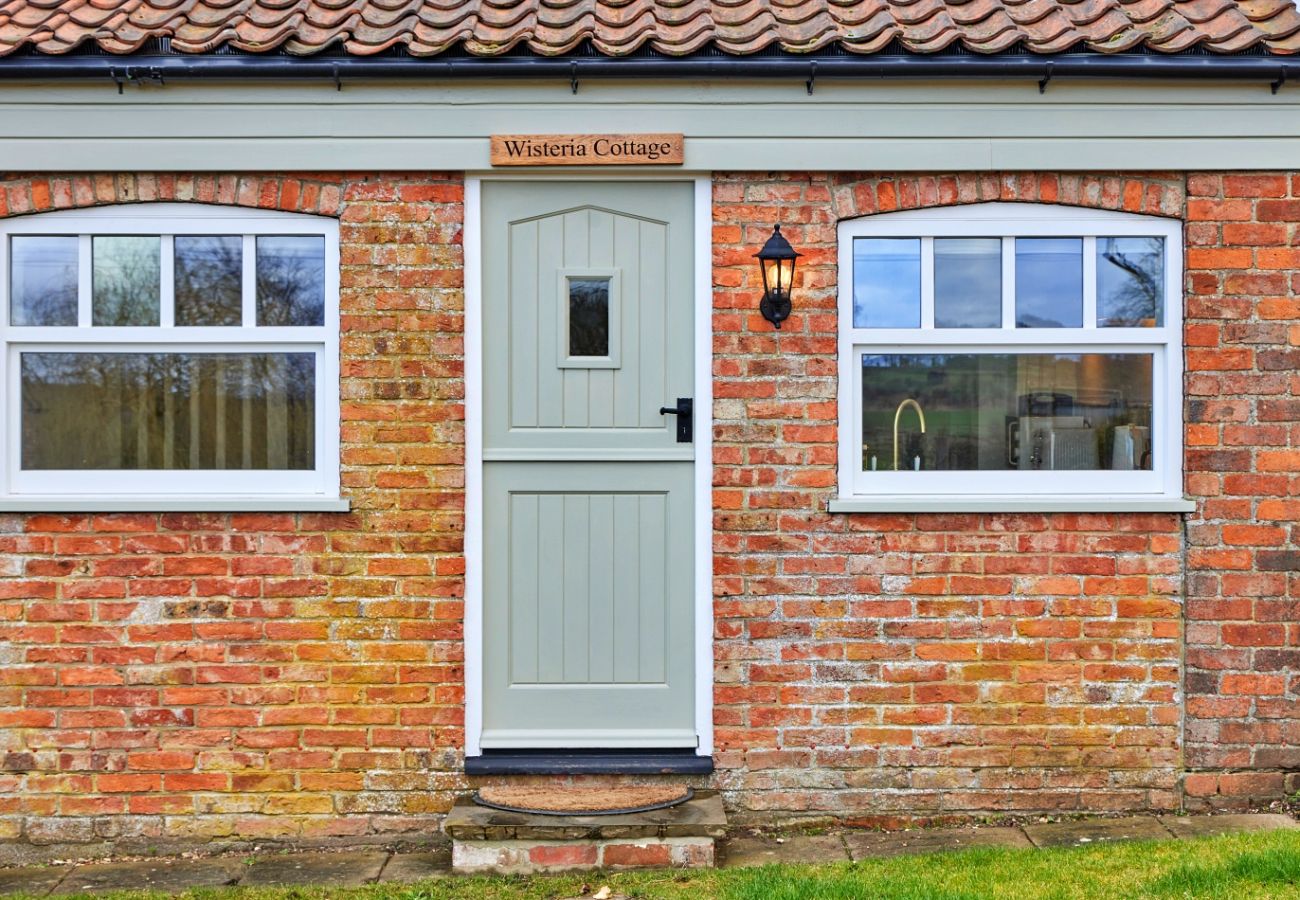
(897, 415)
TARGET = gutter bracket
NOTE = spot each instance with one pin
(1047, 76)
(117, 79)
(812, 78)
(573, 77)
(1281, 80)
(338, 82)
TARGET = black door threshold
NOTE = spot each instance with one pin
(589, 762)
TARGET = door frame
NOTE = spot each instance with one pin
(703, 476)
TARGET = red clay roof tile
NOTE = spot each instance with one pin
(675, 27)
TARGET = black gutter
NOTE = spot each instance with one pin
(144, 68)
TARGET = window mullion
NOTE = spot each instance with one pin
(1090, 282)
(927, 283)
(167, 290)
(248, 282)
(1008, 282)
(84, 280)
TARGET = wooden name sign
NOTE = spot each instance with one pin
(587, 149)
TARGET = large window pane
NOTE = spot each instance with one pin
(126, 278)
(290, 280)
(1130, 282)
(168, 410)
(42, 280)
(1049, 282)
(1007, 411)
(887, 283)
(968, 282)
(209, 271)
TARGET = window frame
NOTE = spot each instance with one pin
(992, 491)
(155, 489)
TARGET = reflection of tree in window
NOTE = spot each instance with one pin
(589, 317)
(125, 278)
(250, 411)
(290, 280)
(1130, 278)
(209, 270)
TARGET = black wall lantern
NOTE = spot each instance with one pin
(776, 261)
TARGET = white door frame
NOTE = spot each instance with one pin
(473, 625)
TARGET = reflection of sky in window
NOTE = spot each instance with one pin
(1130, 282)
(967, 282)
(43, 280)
(887, 283)
(1049, 282)
(290, 280)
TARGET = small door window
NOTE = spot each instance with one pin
(589, 307)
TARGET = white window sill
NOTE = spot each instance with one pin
(999, 504)
(175, 503)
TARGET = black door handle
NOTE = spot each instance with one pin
(685, 413)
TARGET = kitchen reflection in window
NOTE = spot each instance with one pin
(1007, 411)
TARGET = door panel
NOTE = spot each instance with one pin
(588, 505)
(589, 614)
(638, 236)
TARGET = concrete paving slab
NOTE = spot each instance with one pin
(32, 879)
(1207, 826)
(404, 867)
(763, 849)
(873, 844)
(334, 869)
(1096, 831)
(155, 874)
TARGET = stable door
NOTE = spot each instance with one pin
(588, 461)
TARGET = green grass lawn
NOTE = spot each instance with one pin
(1264, 864)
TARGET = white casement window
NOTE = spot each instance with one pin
(170, 356)
(1009, 357)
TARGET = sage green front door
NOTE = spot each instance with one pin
(588, 509)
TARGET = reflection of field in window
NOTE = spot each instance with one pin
(249, 411)
(1004, 411)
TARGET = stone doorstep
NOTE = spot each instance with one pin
(490, 840)
(700, 817)
(525, 857)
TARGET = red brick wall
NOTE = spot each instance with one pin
(206, 676)
(869, 665)
(185, 677)
(1243, 436)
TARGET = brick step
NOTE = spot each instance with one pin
(490, 840)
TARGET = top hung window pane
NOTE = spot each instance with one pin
(209, 274)
(126, 278)
(1049, 283)
(290, 280)
(968, 282)
(887, 283)
(1130, 282)
(42, 280)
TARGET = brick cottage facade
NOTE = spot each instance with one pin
(173, 678)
